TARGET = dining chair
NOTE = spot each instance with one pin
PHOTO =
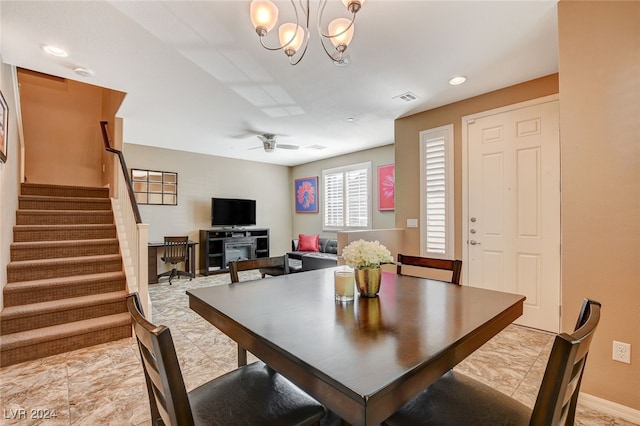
(175, 251)
(278, 265)
(455, 266)
(267, 265)
(254, 394)
(456, 399)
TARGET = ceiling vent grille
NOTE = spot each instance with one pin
(405, 97)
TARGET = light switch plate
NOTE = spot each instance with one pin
(412, 223)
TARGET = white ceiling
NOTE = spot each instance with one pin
(197, 79)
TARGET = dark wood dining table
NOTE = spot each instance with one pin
(362, 359)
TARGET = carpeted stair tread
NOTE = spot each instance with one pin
(36, 291)
(41, 244)
(40, 202)
(63, 190)
(29, 250)
(25, 233)
(58, 281)
(63, 217)
(40, 263)
(12, 312)
(65, 199)
(66, 227)
(56, 332)
(25, 270)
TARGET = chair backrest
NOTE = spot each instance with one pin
(455, 266)
(558, 395)
(167, 393)
(260, 262)
(175, 249)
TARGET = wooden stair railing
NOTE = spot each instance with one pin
(125, 170)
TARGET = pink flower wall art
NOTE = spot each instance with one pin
(386, 187)
(306, 195)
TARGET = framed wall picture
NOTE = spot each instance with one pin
(4, 126)
(306, 195)
(387, 187)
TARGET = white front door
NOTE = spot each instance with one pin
(512, 215)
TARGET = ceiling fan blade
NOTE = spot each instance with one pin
(285, 146)
(255, 147)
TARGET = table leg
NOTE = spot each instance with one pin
(192, 260)
(153, 265)
(242, 356)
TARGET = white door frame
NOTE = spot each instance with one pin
(465, 177)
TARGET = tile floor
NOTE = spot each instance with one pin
(104, 385)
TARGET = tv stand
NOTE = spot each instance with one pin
(220, 246)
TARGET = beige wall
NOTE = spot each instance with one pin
(407, 151)
(201, 177)
(311, 223)
(9, 175)
(61, 126)
(599, 52)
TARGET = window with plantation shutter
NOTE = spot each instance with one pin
(347, 197)
(436, 192)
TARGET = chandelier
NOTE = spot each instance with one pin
(294, 37)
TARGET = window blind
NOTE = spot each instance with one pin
(435, 192)
(347, 197)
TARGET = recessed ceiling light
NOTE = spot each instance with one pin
(458, 79)
(350, 120)
(83, 72)
(55, 51)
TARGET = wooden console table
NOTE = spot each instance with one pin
(190, 264)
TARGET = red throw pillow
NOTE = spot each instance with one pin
(308, 242)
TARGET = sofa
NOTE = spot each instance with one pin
(325, 256)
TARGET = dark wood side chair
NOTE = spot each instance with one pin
(254, 394)
(456, 399)
(175, 251)
(455, 266)
(267, 265)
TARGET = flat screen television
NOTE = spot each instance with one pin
(231, 212)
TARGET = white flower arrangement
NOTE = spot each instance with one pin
(366, 254)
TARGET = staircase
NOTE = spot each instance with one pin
(65, 287)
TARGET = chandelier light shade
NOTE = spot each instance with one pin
(264, 16)
(291, 37)
(294, 37)
(342, 29)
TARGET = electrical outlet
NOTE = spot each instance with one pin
(622, 352)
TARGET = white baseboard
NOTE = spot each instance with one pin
(608, 407)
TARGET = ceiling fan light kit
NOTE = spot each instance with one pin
(269, 143)
(294, 37)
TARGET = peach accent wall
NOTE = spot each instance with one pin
(599, 52)
(407, 150)
(61, 127)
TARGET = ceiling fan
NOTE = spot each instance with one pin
(269, 143)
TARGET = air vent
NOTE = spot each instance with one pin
(318, 147)
(405, 97)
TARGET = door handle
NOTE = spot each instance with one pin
(474, 243)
